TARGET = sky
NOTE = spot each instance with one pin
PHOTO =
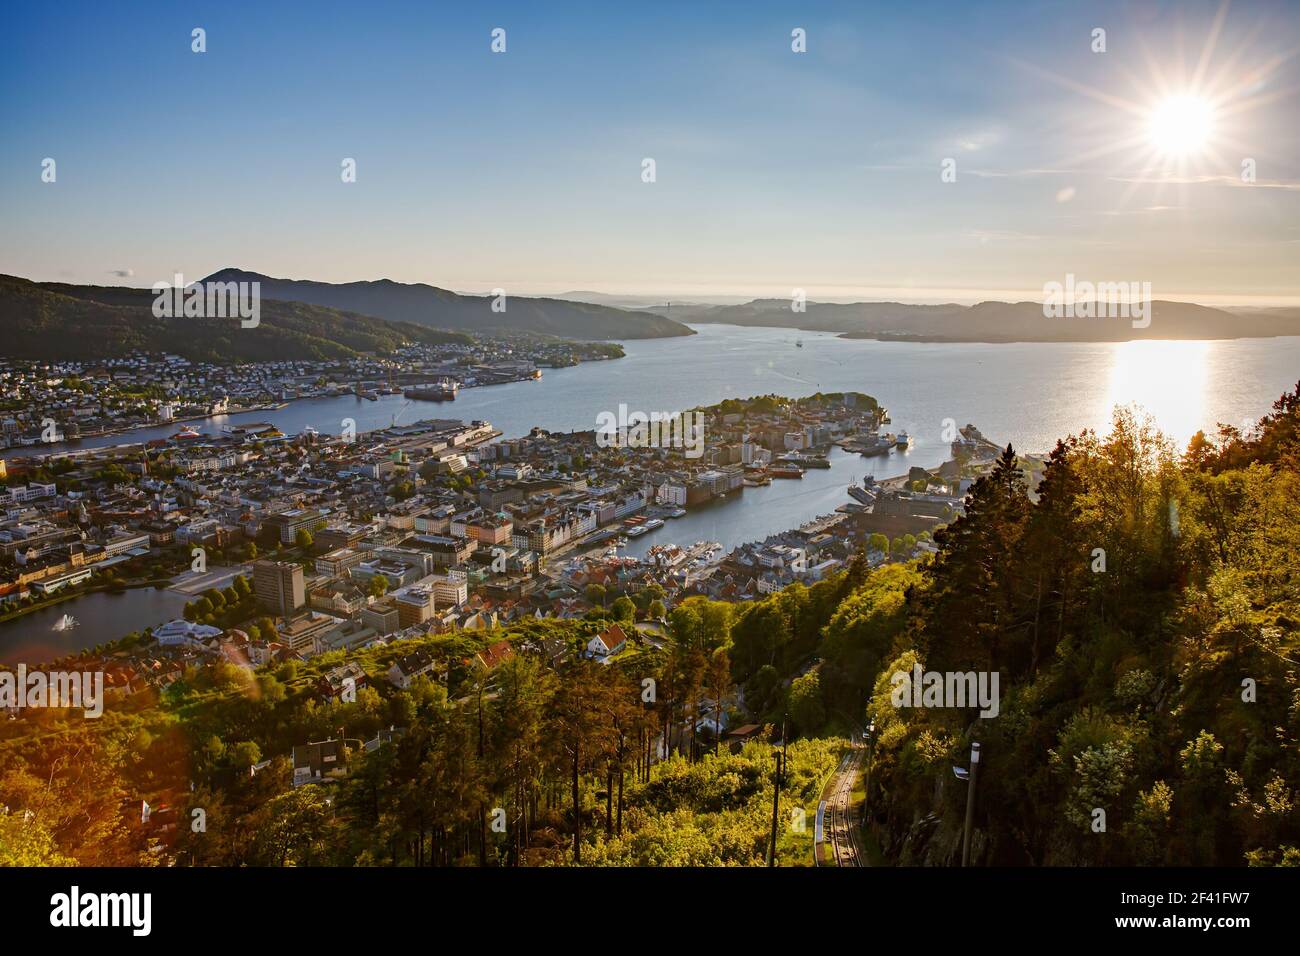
(774, 170)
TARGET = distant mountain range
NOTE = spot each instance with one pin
(998, 321)
(54, 321)
(438, 308)
(321, 320)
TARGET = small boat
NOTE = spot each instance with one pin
(677, 513)
(65, 623)
(654, 523)
(904, 440)
(798, 343)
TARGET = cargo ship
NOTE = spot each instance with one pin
(444, 391)
(873, 445)
(804, 460)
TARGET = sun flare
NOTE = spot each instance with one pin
(1181, 125)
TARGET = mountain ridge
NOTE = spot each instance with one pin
(57, 320)
(428, 305)
(995, 321)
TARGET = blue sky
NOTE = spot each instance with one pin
(774, 169)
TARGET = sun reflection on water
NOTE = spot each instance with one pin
(1168, 379)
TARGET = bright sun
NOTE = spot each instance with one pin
(1180, 125)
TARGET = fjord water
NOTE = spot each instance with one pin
(1028, 394)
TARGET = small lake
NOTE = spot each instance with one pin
(101, 617)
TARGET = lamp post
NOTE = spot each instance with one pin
(969, 776)
(779, 757)
(870, 734)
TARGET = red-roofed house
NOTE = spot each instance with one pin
(607, 643)
(495, 655)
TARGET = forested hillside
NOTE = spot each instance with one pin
(1141, 614)
(52, 320)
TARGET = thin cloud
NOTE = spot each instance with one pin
(1220, 180)
(1017, 173)
(1139, 212)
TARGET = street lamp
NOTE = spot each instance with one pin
(969, 776)
(779, 757)
(870, 735)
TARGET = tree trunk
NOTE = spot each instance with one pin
(609, 802)
(577, 815)
(620, 801)
(1038, 611)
